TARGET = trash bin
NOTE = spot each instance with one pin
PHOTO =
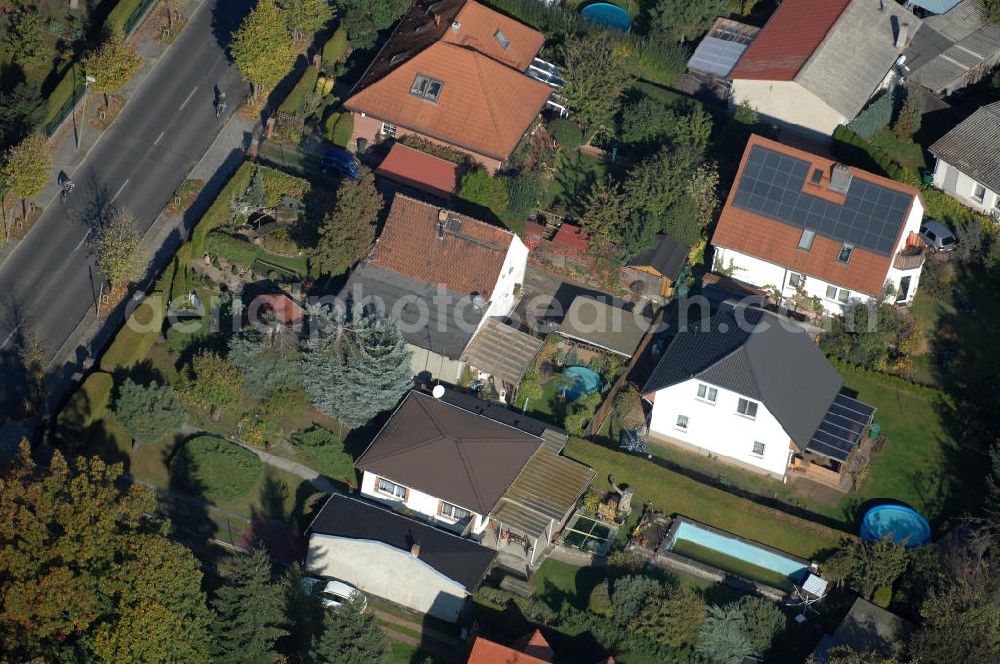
(876, 429)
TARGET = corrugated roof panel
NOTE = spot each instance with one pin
(716, 56)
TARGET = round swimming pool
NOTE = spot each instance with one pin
(607, 14)
(902, 524)
(579, 382)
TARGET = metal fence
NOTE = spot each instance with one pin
(137, 14)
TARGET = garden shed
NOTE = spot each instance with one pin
(604, 325)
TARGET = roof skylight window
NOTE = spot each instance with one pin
(426, 87)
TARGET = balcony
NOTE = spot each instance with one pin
(910, 258)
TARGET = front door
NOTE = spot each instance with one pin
(904, 289)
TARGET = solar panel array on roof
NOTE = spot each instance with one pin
(841, 429)
(716, 56)
(771, 186)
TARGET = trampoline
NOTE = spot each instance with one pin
(579, 382)
(608, 15)
(903, 525)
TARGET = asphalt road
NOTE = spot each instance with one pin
(49, 284)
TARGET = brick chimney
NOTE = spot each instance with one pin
(442, 220)
(415, 549)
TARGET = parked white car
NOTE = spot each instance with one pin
(333, 593)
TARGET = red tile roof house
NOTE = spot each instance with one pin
(795, 221)
(441, 275)
(452, 73)
(817, 62)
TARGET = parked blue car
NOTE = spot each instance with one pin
(341, 161)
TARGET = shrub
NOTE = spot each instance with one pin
(600, 600)
(335, 47)
(525, 193)
(567, 133)
(120, 15)
(877, 115)
(629, 595)
(278, 184)
(149, 412)
(479, 188)
(326, 449)
(217, 470)
(133, 341)
(494, 596)
(339, 128)
(883, 596)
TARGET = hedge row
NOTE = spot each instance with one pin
(339, 128)
(137, 336)
(67, 91)
(335, 47)
(307, 83)
(943, 207)
(851, 147)
(119, 16)
(917, 389)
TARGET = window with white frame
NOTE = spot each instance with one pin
(795, 280)
(758, 448)
(452, 511)
(682, 422)
(388, 129)
(978, 192)
(747, 408)
(707, 393)
(391, 489)
(838, 294)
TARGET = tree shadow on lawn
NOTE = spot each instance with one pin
(190, 521)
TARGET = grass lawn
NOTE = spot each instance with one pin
(921, 465)
(908, 155)
(673, 493)
(731, 564)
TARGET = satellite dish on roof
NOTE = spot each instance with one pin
(438, 391)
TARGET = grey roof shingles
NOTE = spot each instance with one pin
(973, 147)
(447, 452)
(759, 356)
(948, 46)
(603, 324)
(450, 319)
(855, 56)
(460, 559)
(668, 256)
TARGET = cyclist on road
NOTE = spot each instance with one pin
(67, 188)
(220, 104)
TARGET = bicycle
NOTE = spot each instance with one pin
(68, 186)
(220, 105)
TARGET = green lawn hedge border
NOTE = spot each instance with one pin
(88, 404)
(215, 469)
(137, 336)
(917, 389)
(335, 47)
(306, 84)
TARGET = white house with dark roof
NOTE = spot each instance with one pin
(968, 161)
(480, 471)
(753, 389)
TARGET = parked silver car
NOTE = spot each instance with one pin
(937, 236)
(333, 593)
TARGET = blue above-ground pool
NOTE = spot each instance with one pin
(903, 525)
(579, 382)
(607, 14)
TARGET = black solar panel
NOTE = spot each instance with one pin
(841, 429)
(771, 185)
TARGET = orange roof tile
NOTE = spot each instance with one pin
(467, 259)
(420, 170)
(477, 29)
(571, 239)
(777, 242)
(484, 106)
(534, 644)
(488, 652)
(285, 309)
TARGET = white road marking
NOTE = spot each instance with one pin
(158, 138)
(84, 239)
(9, 336)
(191, 94)
(120, 190)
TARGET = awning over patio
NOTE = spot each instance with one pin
(502, 351)
(841, 429)
(543, 494)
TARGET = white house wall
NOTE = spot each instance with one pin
(951, 180)
(788, 105)
(718, 429)
(503, 299)
(423, 504)
(762, 273)
(386, 572)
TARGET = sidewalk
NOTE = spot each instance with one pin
(67, 155)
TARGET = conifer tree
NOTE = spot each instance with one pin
(268, 359)
(249, 612)
(350, 637)
(149, 412)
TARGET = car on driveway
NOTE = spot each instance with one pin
(333, 593)
(937, 236)
(342, 162)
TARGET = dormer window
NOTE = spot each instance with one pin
(502, 39)
(845, 253)
(806, 241)
(426, 88)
